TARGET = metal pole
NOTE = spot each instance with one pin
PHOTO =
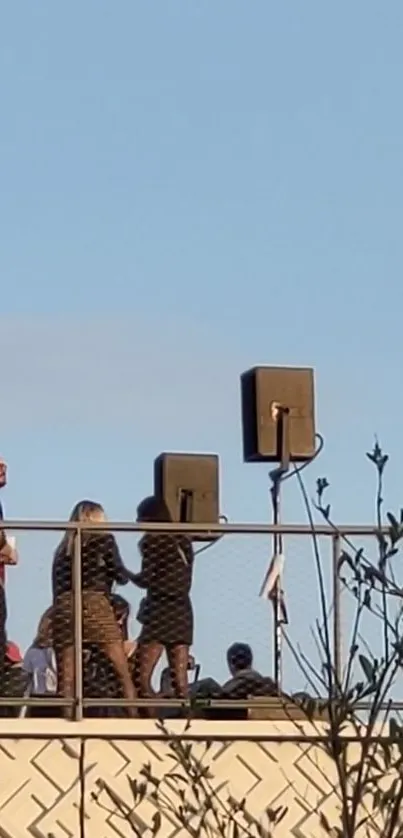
(337, 639)
(278, 632)
(281, 415)
(78, 630)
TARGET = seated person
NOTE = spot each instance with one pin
(200, 690)
(40, 667)
(245, 683)
(244, 678)
(166, 683)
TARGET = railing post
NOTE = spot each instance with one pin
(337, 643)
(78, 630)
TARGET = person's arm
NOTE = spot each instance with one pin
(147, 549)
(114, 560)
(121, 574)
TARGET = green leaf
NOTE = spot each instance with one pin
(196, 791)
(133, 789)
(367, 667)
(179, 777)
(325, 823)
(387, 754)
(156, 823)
(392, 521)
(390, 794)
(322, 484)
(395, 730)
(367, 599)
(272, 814)
(345, 558)
(282, 815)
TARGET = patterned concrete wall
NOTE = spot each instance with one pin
(48, 779)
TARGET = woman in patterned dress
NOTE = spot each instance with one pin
(101, 567)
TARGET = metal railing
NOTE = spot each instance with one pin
(79, 702)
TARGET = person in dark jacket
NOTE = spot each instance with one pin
(102, 566)
(167, 619)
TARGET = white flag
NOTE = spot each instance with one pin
(269, 587)
(272, 576)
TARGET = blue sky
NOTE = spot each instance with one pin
(188, 189)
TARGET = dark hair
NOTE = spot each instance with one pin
(153, 508)
(240, 656)
(44, 632)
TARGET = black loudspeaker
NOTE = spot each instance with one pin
(189, 484)
(266, 392)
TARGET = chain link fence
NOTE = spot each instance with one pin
(138, 616)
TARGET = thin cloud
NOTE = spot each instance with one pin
(114, 372)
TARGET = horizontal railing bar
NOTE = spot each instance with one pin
(127, 703)
(249, 703)
(213, 529)
(201, 703)
(29, 701)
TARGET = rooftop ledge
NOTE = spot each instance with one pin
(147, 729)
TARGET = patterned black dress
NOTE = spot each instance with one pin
(166, 574)
(102, 566)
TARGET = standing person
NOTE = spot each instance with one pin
(167, 619)
(101, 566)
(8, 556)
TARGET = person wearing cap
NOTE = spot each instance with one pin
(8, 556)
(13, 653)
